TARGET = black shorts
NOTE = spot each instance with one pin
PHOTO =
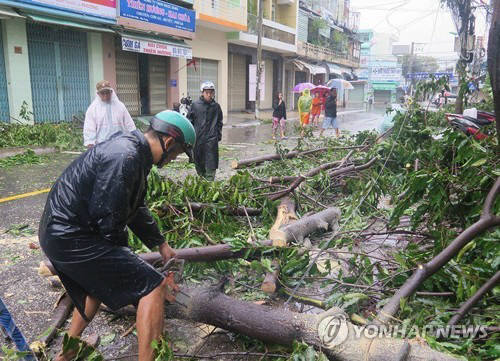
(117, 278)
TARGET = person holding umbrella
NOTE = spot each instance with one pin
(317, 103)
(304, 104)
(330, 120)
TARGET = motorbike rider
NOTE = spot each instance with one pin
(206, 116)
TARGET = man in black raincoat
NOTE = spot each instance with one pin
(206, 116)
(83, 230)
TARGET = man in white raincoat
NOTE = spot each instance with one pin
(105, 116)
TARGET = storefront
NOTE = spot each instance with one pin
(238, 81)
(59, 69)
(143, 67)
(357, 95)
(384, 92)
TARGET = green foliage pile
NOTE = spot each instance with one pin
(435, 175)
(28, 157)
(64, 136)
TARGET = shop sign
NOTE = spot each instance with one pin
(156, 48)
(385, 73)
(160, 13)
(99, 8)
(252, 82)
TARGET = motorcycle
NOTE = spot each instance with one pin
(472, 126)
(185, 106)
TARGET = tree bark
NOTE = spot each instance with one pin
(279, 326)
(462, 311)
(423, 272)
(270, 280)
(298, 230)
(494, 62)
(59, 316)
(284, 216)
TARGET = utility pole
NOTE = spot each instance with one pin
(259, 59)
(464, 14)
(410, 66)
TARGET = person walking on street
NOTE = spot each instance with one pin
(206, 116)
(84, 227)
(105, 116)
(279, 117)
(304, 104)
(317, 103)
(330, 120)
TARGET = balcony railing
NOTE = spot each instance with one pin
(232, 11)
(269, 32)
(321, 53)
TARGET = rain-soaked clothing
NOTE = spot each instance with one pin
(83, 230)
(207, 121)
(304, 104)
(103, 119)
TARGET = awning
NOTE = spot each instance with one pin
(313, 69)
(155, 45)
(384, 86)
(7, 13)
(70, 23)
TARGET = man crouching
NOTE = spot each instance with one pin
(83, 230)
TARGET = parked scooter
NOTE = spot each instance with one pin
(470, 125)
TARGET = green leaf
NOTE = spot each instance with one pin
(479, 162)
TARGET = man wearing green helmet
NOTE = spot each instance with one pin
(85, 223)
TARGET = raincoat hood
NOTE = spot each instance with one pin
(306, 93)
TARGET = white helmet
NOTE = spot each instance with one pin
(207, 85)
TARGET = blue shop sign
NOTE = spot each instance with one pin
(160, 13)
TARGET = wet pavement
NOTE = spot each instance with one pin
(242, 137)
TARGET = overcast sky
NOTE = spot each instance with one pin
(422, 21)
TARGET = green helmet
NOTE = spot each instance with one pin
(178, 127)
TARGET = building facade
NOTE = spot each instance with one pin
(154, 52)
(379, 67)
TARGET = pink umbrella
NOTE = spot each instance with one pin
(299, 88)
(321, 89)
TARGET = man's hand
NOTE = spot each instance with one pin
(166, 252)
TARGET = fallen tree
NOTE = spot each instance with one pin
(236, 211)
(279, 326)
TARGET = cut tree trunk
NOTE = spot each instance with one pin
(284, 216)
(298, 230)
(423, 272)
(279, 326)
(269, 285)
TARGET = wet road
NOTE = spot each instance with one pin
(239, 140)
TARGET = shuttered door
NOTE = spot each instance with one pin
(357, 95)
(237, 82)
(4, 103)
(303, 26)
(74, 72)
(59, 72)
(127, 80)
(382, 96)
(203, 70)
(157, 83)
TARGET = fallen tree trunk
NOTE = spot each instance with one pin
(299, 179)
(298, 230)
(462, 311)
(284, 216)
(279, 326)
(352, 168)
(237, 211)
(423, 272)
(58, 317)
(195, 254)
(268, 157)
